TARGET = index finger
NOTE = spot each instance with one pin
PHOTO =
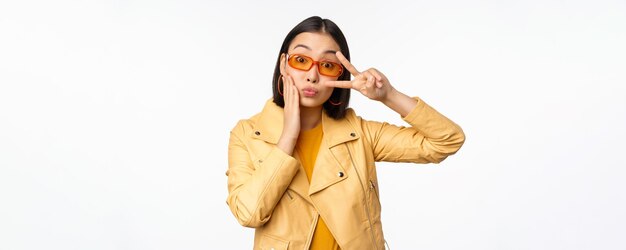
(347, 64)
(339, 84)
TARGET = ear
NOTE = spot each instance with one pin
(282, 65)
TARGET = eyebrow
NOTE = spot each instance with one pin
(330, 51)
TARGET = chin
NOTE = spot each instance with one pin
(310, 103)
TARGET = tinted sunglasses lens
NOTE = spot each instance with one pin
(300, 62)
(330, 69)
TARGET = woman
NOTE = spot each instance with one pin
(302, 170)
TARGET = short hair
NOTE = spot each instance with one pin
(316, 24)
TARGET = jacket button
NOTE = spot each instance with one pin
(257, 133)
(352, 134)
(340, 174)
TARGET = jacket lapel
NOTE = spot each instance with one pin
(270, 124)
(333, 159)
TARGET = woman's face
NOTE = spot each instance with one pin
(319, 47)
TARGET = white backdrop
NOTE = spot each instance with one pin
(115, 117)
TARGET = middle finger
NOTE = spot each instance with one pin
(347, 64)
(295, 97)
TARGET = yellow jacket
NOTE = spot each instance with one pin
(268, 189)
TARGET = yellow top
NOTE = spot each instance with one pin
(307, 147)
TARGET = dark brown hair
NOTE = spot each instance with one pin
(316, 24)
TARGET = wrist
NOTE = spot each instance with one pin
(287, 143)
(390, 96)
(399, 102)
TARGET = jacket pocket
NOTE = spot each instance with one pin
(272, 243)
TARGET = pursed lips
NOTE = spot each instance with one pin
(309, 92)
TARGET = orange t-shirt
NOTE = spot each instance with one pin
(307, 147)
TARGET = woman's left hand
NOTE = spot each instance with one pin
(371, 83)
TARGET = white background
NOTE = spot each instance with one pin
(115, 117)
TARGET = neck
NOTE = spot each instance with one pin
(310, 117)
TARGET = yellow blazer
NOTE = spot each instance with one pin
(268, 189)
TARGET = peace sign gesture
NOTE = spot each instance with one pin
(371, 83)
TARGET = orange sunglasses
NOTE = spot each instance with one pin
(305, 63)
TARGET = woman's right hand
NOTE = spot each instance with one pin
(291, 123)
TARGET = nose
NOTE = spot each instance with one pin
(312, 76)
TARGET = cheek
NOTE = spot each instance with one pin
(298, 76)
(295, 72)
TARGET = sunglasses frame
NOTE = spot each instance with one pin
(315, 62)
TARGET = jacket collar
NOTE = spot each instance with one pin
(270, 126)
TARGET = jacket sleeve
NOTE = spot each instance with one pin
(431, 138)
(255, 189)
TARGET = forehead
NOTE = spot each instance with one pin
(318, 42)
